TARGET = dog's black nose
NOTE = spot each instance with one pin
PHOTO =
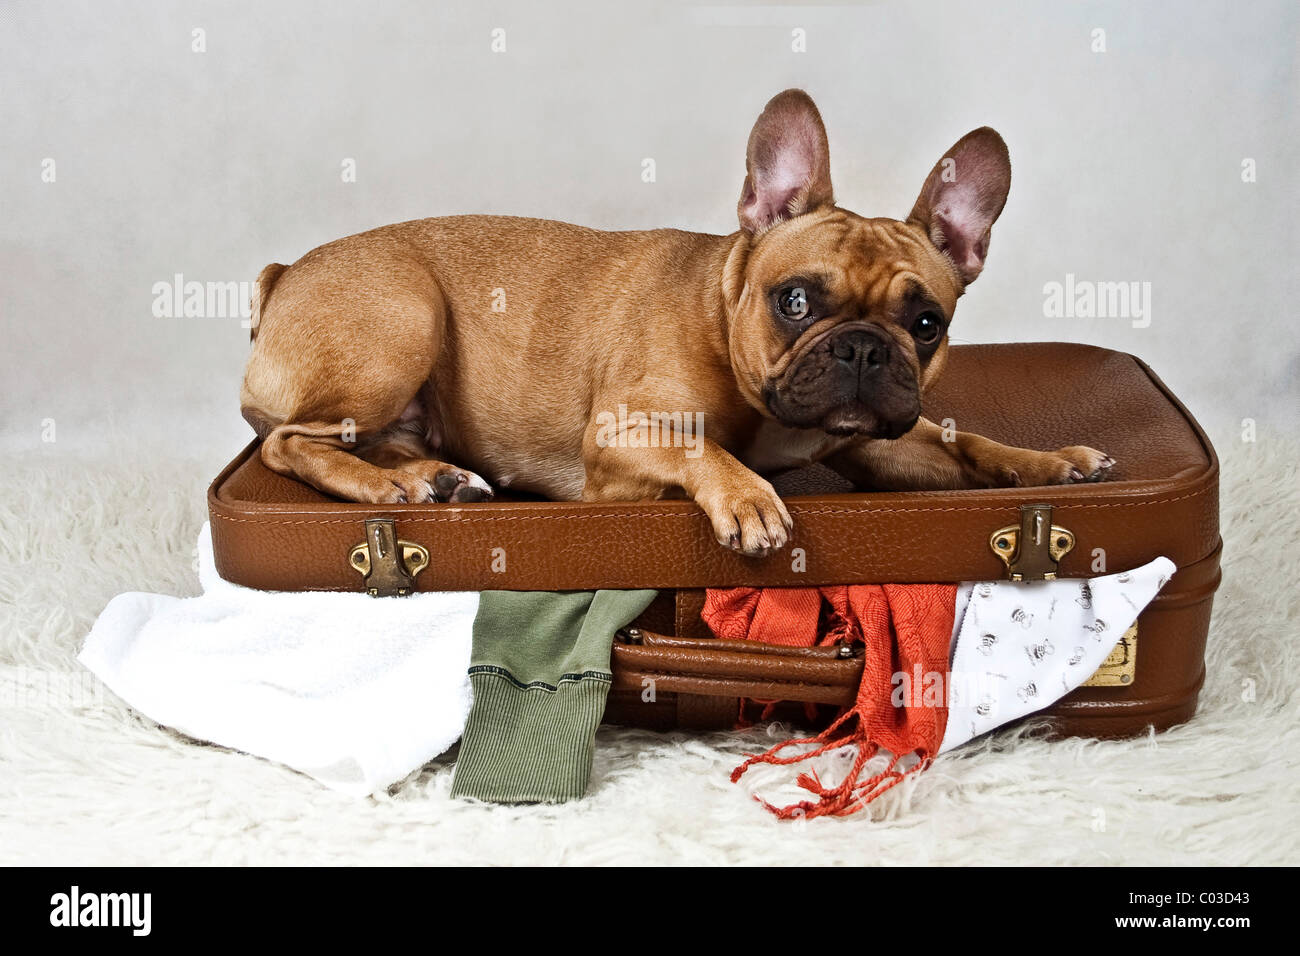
(861, 346)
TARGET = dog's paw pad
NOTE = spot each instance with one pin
(458, 485)
(470, 493)
(447, 483)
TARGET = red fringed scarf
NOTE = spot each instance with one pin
(906, 630)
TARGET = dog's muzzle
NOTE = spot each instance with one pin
(853, 382)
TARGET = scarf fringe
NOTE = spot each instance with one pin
(851, 794)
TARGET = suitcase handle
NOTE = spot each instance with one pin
(718, 667)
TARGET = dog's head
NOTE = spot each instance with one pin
(839, 322)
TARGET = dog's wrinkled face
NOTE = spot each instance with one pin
(840, 322)
(857, 312)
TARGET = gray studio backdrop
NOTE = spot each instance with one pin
(1152, 143)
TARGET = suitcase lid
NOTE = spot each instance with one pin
(275, 533)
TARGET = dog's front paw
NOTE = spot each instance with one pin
(1065, 466)
(752, 520)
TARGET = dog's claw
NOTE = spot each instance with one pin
(1105, 464)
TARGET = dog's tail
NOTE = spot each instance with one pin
(266, 280)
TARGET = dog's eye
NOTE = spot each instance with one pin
(927, 328)
(793, 303)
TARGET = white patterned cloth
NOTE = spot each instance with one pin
(1019, 647)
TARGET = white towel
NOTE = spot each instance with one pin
(356, 692)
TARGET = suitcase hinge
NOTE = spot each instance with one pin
(1032, 550)
(389, 565)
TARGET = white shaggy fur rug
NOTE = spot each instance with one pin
(83, 780)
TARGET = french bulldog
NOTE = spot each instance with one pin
(431, 360)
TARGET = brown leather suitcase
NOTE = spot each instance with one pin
(272, 532)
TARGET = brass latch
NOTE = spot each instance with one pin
(389, 565)
(1032, 550)
(1119, 669)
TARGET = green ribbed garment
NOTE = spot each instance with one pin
(539, 671)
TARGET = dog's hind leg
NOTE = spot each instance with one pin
(382, 469)
(345, 346)
(405, 447)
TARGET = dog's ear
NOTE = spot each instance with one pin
(963, 197)
(787, 163)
